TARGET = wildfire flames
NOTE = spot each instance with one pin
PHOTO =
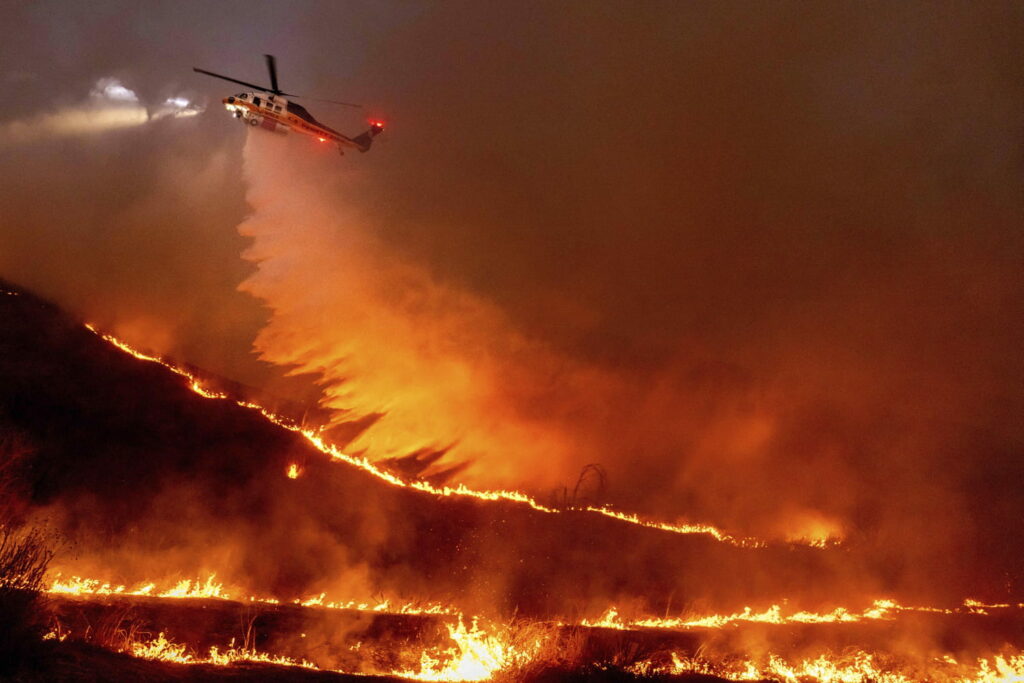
(478, 648)
(477, 656)
(475, 653)
(182, 589)
(317, 440)
(881, 609)
(210, 589)
(478, 653)
(474, 656)
(164, 650)
(857, 667)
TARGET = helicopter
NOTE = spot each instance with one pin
(270, 109)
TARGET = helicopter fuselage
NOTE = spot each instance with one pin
(270, 112)
(276, 114)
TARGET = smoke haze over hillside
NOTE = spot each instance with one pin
(762, 263)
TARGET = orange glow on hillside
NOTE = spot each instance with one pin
(315, 438)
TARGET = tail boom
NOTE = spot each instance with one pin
(362, 142)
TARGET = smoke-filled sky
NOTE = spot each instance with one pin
(761, 261)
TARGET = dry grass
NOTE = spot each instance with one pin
(24, 558)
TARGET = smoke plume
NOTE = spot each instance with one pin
(769, 283)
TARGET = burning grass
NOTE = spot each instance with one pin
(797, 648)
(316, 438)
(264, 478)
(848, 667)
(544, 652)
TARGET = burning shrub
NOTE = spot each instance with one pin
(24, 557)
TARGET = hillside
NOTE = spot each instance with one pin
(147, 480)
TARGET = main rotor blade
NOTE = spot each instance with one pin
(317, 99)
(233, 80)
(272, 68)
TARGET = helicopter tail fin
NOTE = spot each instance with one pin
(366, 139)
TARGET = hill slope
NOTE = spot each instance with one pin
(147, 480)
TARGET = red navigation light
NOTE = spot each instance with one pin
(377, 124)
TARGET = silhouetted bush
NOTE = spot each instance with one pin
(24, 557)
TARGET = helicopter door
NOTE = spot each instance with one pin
(256, 100)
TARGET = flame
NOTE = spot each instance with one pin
(162, 650)
(479, 653)
(813, 528)
(209, 589)
(316, 440)
(879, 610)
(186, 588)
(293, 471)
(190, 589)
(165, 650)
(684, 528)
(856, 667)
(476, 656)
(610, 619)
